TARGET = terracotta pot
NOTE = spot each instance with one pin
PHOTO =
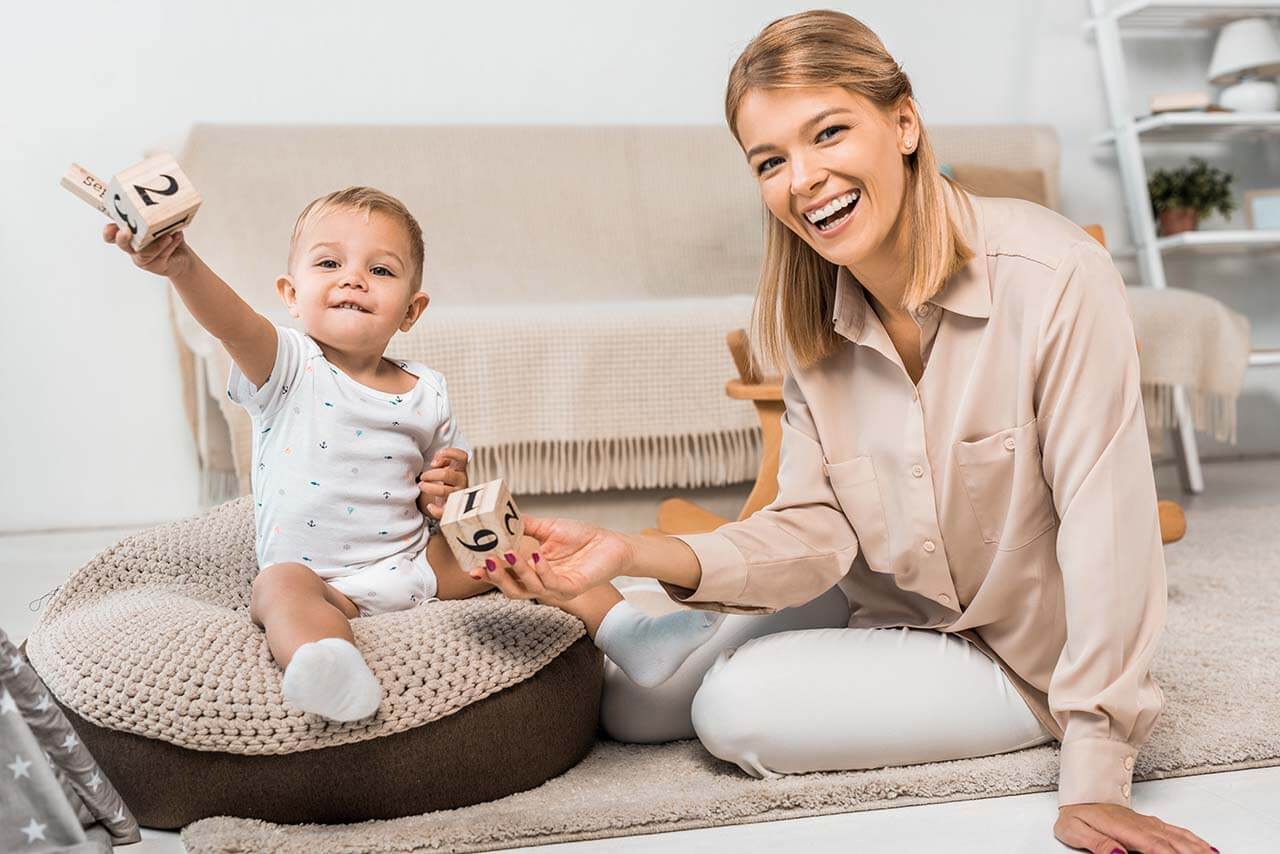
(1178, 220)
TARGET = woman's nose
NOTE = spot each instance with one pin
(806, 177)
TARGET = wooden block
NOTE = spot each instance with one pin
(151, 199)
(481, 522)
(85, 185)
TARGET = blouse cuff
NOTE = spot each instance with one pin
(724, 570)
(1096, 771)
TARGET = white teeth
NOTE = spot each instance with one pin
(349, 305)
(834, 205)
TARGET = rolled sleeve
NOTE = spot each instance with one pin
(1097, 461)
(787, 553)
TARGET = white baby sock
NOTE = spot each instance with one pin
(330, 677)
(650, 649)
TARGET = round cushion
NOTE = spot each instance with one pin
(150, 651)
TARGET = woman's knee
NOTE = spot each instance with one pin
(725, 716)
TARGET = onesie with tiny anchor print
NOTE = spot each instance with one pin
(335, 471)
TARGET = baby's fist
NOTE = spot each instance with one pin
(447, 474)
(166, 256)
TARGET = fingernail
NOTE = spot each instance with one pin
(509, 558)
(1116, 851)
(1214, 850)
(537, 558)
(489, 564)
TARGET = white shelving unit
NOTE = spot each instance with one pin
(1111, 24)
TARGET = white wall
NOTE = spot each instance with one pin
(91, 424)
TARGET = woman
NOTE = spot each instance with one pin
(964, 456)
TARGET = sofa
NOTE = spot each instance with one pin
(582, 281)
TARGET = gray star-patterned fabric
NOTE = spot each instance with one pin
(53, 795)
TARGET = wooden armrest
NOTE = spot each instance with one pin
(769, 388)
(678, 516)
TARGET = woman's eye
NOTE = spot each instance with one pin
(826, 133)
(384, 271)
(767, 165)
(326, 263)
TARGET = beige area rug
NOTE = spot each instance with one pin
(1217, 666)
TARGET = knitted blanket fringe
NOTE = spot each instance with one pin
(1212, 413)
(633, 462)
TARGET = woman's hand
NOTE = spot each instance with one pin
(560, 559)
(448, 473)
(1107, 828)
(167, 256)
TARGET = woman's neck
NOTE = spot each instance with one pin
(885, 274)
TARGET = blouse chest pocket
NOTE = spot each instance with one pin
(1005, 483)
(858, 491)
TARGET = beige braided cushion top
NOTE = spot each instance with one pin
(153, 637)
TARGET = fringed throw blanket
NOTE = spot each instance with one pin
(1191, 340)
(569, 397)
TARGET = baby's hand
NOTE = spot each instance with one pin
(448, 473)
(167, 256)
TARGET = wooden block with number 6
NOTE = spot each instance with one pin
(481, 522)
(151, 200)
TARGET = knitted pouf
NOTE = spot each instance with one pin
(150, 651)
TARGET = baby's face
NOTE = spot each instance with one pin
(349, 280)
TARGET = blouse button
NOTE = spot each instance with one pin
(929, 546)
(923, 311)
(944, 599)
(1128, 763)
(1124, 790)
(1009, 443)
(917, 470)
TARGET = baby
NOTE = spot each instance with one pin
(352, 452)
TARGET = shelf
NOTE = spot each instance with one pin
(1213, 242)
(1202, 127)
(1220, 242)
(1186, 14)
(1269, 358)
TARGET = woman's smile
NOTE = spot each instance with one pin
(829, 219)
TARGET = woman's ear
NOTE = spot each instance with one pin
(288, 295)
(417, 305)
(907, 120)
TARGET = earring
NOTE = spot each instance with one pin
(911, 144)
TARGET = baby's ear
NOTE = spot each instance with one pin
(417, 305)
(288, 295)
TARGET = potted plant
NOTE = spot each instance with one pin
(1179, 197)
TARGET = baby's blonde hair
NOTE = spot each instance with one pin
(368, 200)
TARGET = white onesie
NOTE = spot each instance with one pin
(335, 472)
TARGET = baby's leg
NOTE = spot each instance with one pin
(295, 606)
(309, 635)
(647, 649)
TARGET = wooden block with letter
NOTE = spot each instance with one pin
(150, 200)
(481, 522)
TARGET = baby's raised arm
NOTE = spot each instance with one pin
(249, 337)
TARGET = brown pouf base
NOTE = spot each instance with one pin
(507, 742)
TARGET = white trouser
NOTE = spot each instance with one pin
(797, 691)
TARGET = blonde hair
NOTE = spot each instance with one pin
(794, 300)
(367, 200)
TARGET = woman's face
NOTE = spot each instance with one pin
(831, 166)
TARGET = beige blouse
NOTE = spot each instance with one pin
(1008, 497)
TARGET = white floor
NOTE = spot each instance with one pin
(1235, 811)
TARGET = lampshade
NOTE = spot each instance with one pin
(1246, 46)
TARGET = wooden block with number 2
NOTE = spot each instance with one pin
(151, 199)
(481, 522)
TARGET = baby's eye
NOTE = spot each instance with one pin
(384, 271)
(827, 132)
(767, 165)
(326, 262)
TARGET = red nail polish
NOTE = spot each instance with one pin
(1116, 851)
(489, 564)
(509, 558)
(537, 558)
